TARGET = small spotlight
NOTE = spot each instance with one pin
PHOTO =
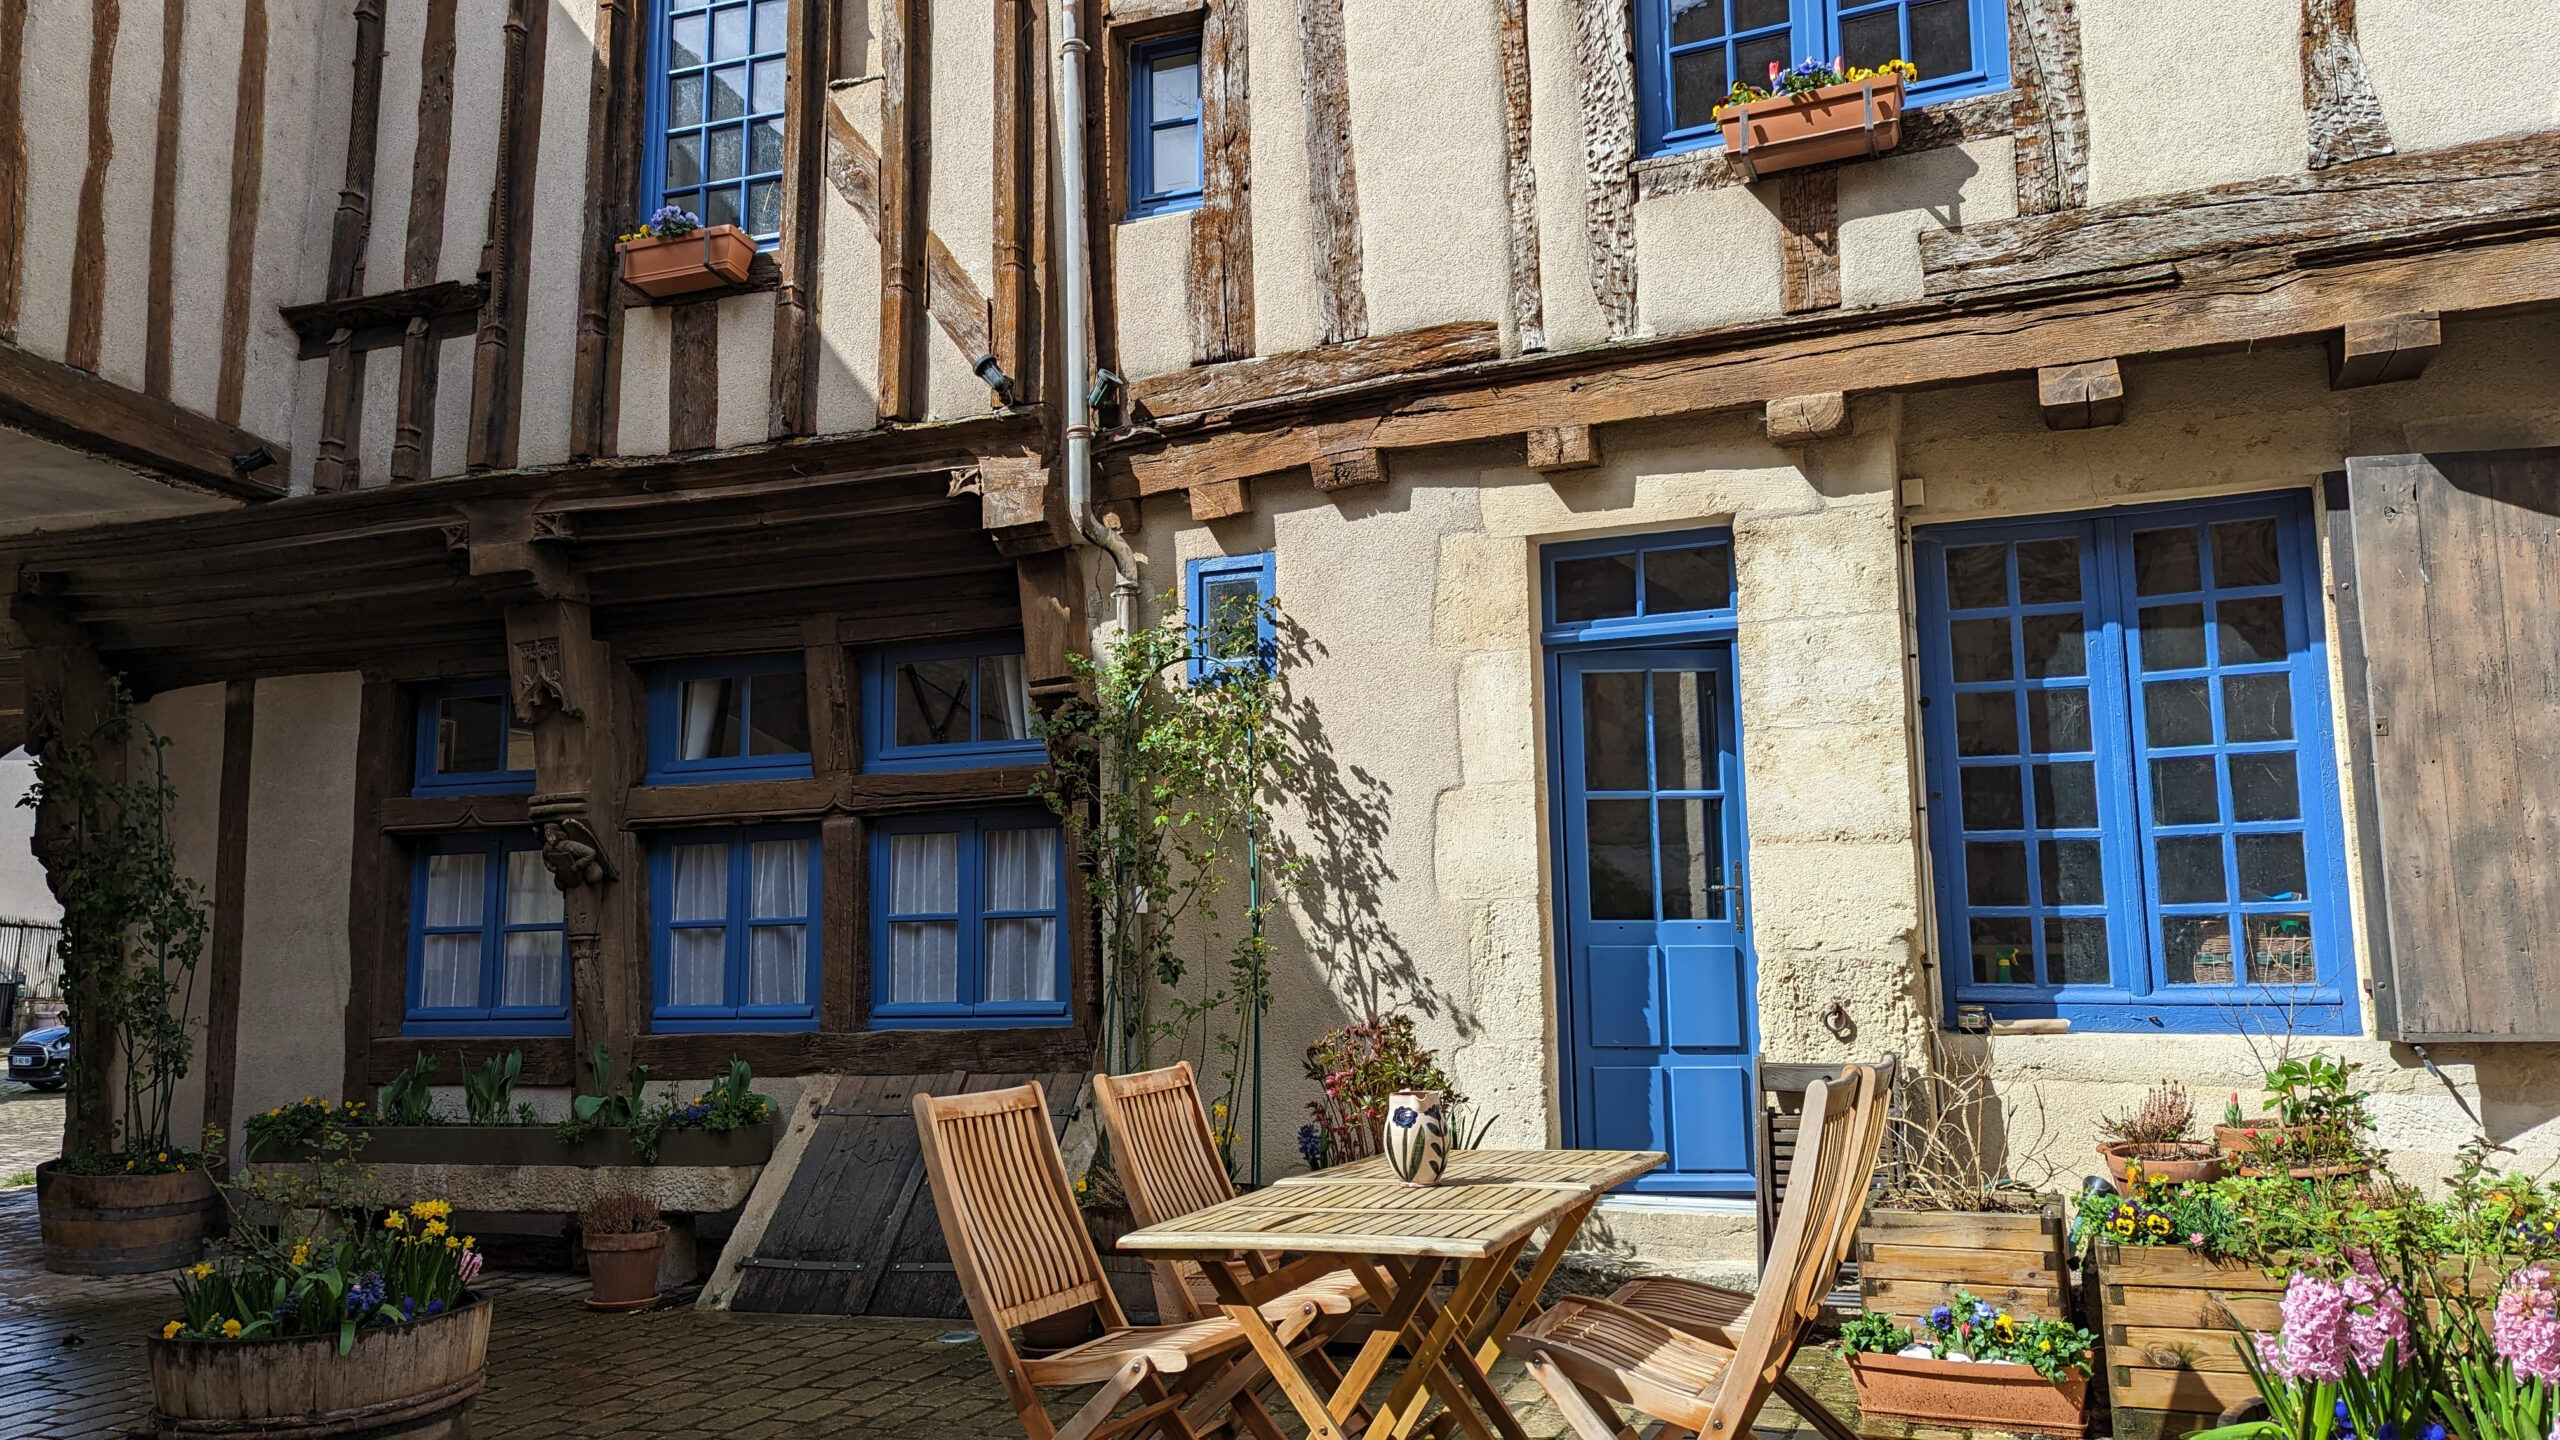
(1105, 383)
(255, 460)
(998, 381)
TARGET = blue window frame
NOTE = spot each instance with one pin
(1164, 125)
(716, 97)
(1607, 591)
(739, 717)
(954, 706)
(734, 924)
(1229, 600)
(469, 742)
(1689, 53)
(968, 921)
(2132, 798)
(487, 938)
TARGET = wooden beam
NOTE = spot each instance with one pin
(335, 465)
(160, 303)
(1349, 470)
(1809, 212)
(1604, 74)
(693, 376)
(248, 182)
(1561, 449)
(2050, 115)
(904, 64)
(230, 899)
(89, 222)
(13, 163)
(613, 184)
(1220, 284)
(791, 408)
(353, 223)
(413, 433)
(1324, 80)
(1053, 620)
(52, 401)
(424, 253)
(1218, 499)
(387, 311)
(2346, 121)
(2082, 396)
(1019, 508)
(1520, 179)
(1803, 419)
(1019, 124)
(497, 371)
(2382, 350)
(951, 297)
(1303, 372)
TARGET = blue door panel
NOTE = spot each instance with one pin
(1626, 997)
(1710, 1108)
(1705, 999)
(1627, 1102)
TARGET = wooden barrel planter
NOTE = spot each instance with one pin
(2168, 1317)
(120, 1224)
(411, 1380)
(1909, 1261)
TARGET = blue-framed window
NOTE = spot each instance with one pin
(1164, 125)
(469, 742)
(2133, 807)
(734, 925)
(1689, 53)
(1229, 600)
(1639, 588)
(968, 920)
(487, 938)
(716, 97)
(953, 706)
(739, 717)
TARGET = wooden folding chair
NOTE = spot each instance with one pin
(1718, 1315)
(1021, 1252)
(1589, 1355)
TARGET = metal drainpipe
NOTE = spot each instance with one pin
(1078, 259)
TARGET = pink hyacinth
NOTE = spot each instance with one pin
(2377, 1314)
(2313, 1341)
(469, 1268)
(2526, 1327)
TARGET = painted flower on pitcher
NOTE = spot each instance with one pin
(1404, 1117)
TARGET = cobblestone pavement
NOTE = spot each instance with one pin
(71, 1366)
(30, 1130)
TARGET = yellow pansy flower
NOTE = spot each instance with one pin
(230, 1329)
(170, 1330)
(164, 1157)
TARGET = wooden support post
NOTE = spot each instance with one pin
(1016, 300)
(2379, 351)
(13, 163)
(2082, 396)
(248, 183)
(377, 882)
(612, 193)
(354, 221)
(1053, 624)
(423, 255)
(160, 303)
(1218, 499)
(1802, 419)
(904, 63)
(497, 373)
(693, 375)
(1563, 448)
(89, 223)
(1324, 89)
(1809, 210)
(1349, 469)
(67, 696)
(792, 409)
(413, 431)
(1221, 266)
(334, 467)
(230, 897)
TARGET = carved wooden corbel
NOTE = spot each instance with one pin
(572, 854)
(539, 689)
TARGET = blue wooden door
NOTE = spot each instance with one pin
(1660, 1026)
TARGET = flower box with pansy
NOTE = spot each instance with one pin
(1811, 113)
(408, 1264)
(674, 253)
(1969, 1362)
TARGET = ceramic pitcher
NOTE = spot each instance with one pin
(1416, 1138)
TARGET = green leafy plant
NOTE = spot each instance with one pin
(2319, 1118)
(406, 1098)
(1356, 1067)
(1970, 1326)
(407, 1265)
(729, 1103)
(607, 1108)
(297, 1126)
(486, 1091)
(1868, 1333)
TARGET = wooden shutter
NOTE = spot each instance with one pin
(2449, 600)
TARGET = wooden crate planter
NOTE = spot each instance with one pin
(2167, 1317)
(1859, 118)
(409, 1379)
(1907, 1391)
(704, 259)
(1909, 1261)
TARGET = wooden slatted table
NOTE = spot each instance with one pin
(1395, 1238)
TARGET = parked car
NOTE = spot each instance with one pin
(42, 1058)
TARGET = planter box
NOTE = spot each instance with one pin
(2169, 1319)
(406, 1376)
(1909, 1261)
(2180, 1162)
(1860, 119)
(1995, 1396)
(537, 1145)
(120, 1224)
(2242, 1142)
(706, 259)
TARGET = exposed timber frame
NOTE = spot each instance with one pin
(1324, 77)
(793, 402)
(497, 371)
(13, 162)
(248, 181)
(1021, 192)
(905, 62)
(53, 401)
(1520, 180)
(2050, 116)
(1604, 70)
(223, 943)
(1221, 268)
(2345, 117)
(160, 303)
(89, 222)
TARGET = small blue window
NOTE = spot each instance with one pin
(734, 718)
(1690, 53)
(2134, 817)
(1229, 598)
(486, 939)
(1639, 589)
(968, 921)
(716, 95)
(734, 915)
(948, 707)
(1164, 125)
(469, 742)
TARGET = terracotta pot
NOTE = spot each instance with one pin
(120, 1224)
(1997, 1396)
(1415, 1137)
(413, 1378)
(2180, 1162)
(704, 259)
(2241, 1142)
(622, 1270)
(1861, 118)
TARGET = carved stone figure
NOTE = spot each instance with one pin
(572, 855)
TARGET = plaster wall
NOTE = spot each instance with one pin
(848, 307)
(2413, 49)
(134, 120)
(310, 47)
(293, 973)
(559, 235)
(643, 425)
(450, 446)
(1885, 207)
(23, 892)
(54, 99)
(2164, 118)
(192, 721)
(745, 376)
(378, 423)
(1708, 258)
(1150, 289)
(1427, 142)
(1284, 264)
(1568, 305)
(395, 145)
(471, 165)
(207, 104)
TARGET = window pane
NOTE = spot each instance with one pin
(2257, 707)
(778, 880)
(1173, 159)
(1987, 723)
(2173, 637)
(1621, 859)
(1752, 58)
(1941, 38)
(770, 18)
(2054, 646)
(684, 101)
(777, 965)
(1602, 587)
(2075, 951)
(1613, 731)
(684, 161)
(1698, 579)
(707, 719)
(1698, 86)
(455, 890)
(2165, 562)
(778, 714)
(2048, 571)
(529, 977)
(699, 889)
(764, 141)
(1231, 628)
(1758, 14)
(933, 702)
(1022, 959)
(1991, 799)
(924, 962)
(924, 874)
(764, 206)
(2263, 788)
(2072, 873)
(2067, 796)
(1173, 88)
(1004, 699)
(2196, 949)
(1022, 869)
(469, 732)
(532, 898)
(697, 965)
(720, 207)
(1981, 650)
(2280, 950)
(1995, 872)
(2244, 553)
(2057, 720)
(2178, 712)
(519, 745)
(1871, 39)
(1977, 576)
(687, 41)
(1684, 748)
(2182, 792)
(2003, 949)
(726, 157)
(450, 977)
(2271, 867)
(729, 33)
(1692, 859)
(2191, 870)
(2250, 630)
(1696, 20)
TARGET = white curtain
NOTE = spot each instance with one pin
(455, 893)
(924, 955)
(1022, 874)
(529, 970)
(697, 957)
(777, 955)
(1004, 699)
(700, 735)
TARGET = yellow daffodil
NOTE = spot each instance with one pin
(164, 1157)
(230, 1329)
(128, 1164)
(466, 1242)
(435, 1228)
(170, 1330)
(2046, 1345)
(200, 1269)
(452, 1244)
(302, 1253)
(395, 1221)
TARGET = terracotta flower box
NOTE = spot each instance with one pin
(1859, 118)
(1992, 1395)
(704, 259)
(2179, 1162)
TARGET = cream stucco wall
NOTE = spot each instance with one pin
(1150, 287)
(1427, 142)
(191, 720)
